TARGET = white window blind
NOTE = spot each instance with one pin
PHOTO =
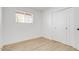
(24, 17)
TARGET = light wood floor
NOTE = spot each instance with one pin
(40, 44)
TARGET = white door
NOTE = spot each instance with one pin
(70, 26)
(63, 26)
(59, 26)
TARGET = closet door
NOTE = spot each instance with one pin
(70, 26)
(59, 26)
(63, 26)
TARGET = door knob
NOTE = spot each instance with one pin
(77, 28)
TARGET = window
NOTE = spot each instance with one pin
(24, 17)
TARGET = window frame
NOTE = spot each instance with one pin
(24, 13)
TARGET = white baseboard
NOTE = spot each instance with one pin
(47, 37)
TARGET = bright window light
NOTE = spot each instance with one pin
(24, 17)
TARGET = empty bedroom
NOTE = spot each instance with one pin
(39, 28)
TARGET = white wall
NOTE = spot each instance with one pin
(47, 23)
(76, 21)
(13, 32)
(1, 27)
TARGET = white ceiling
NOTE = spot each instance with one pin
(46, 8)
(41, 8)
